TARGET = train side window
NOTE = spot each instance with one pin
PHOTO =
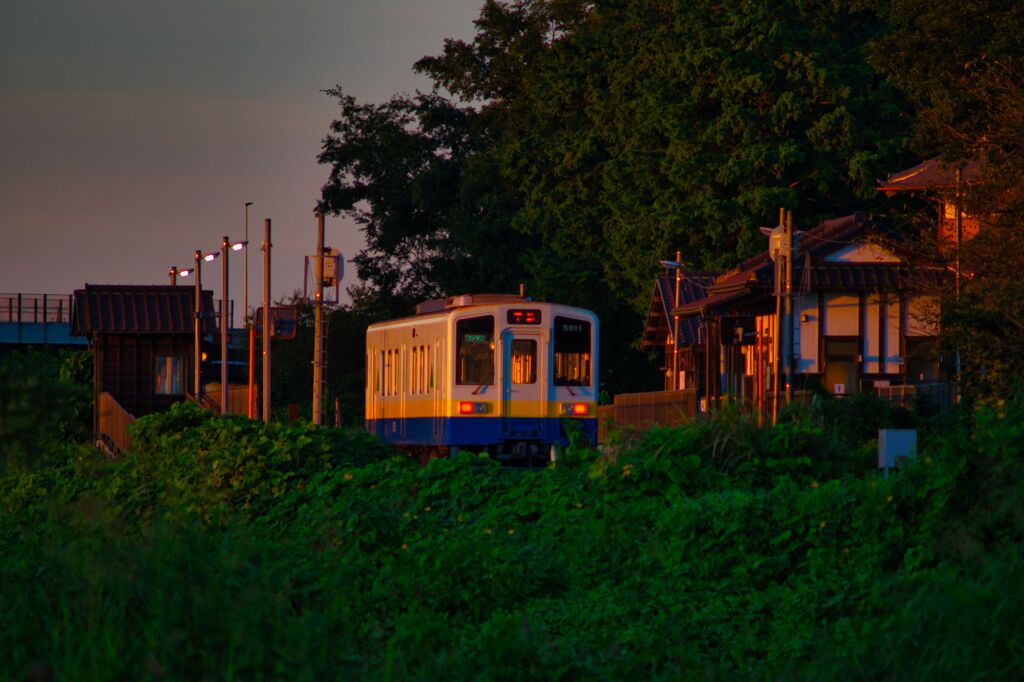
(414, 370)
(572, 352)
(424, 363)
(524, 361)
(474, 338)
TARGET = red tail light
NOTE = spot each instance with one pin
(576, 409)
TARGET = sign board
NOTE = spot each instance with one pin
(894, 445)
(285, 322)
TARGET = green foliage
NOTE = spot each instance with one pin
(583, 142)
(45, 400)
(961, 65)
(225, 548)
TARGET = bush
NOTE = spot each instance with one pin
(223, 547)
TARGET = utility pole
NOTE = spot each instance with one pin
(787, 315)
(250, 406)
(775, 248)
(267, 320)
(675, 325)
(959, 242)
(318, 325)
(198, 323)
(225, 246)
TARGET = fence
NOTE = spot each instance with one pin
(238, 398)
(35, 308)
(643, 410)
(113, 424)
(935, 393)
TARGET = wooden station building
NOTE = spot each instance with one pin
(142, 339)
(858, 323)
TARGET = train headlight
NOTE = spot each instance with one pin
(576, 409)
(473, 408)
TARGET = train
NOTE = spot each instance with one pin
(495, 373)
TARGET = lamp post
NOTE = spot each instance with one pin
(173, 273)
(200, 315)
(226, 247)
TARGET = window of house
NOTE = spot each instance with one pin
(572, 352)
(474, 338)
(169, 375)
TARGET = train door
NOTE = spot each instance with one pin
(522, 394)
(437, 386)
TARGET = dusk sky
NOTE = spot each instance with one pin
(132, 132)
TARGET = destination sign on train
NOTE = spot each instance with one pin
(524, 316)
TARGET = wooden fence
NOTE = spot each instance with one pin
(238, 398)
(643, 410)
(113, 425)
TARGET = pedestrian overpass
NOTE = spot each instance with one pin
(37, 320)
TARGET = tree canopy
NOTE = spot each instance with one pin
(962, 65)
(571, 145)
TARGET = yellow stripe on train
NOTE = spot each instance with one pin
(413, 408)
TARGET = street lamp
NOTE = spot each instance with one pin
(226, 247)
(199, 314)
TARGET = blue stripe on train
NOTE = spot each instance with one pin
(475, 430)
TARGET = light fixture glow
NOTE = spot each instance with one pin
(238, 246)
(184, 273)
(210, 256)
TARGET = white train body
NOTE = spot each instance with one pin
(493, 372)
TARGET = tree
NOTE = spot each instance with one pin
(962, 64)
(630, 129)
(408, 171)
(584, 141)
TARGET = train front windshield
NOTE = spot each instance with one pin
(475, 351)
(572, 352)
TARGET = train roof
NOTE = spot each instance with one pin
(436, 305)
(442, 306)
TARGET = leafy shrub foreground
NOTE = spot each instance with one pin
(221, 548)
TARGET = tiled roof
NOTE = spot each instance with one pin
(931, 174)
(855, 277)
(139, 309)
(756, 274)
(692, 286)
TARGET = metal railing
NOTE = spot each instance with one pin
(938, 394)
(36, 308)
